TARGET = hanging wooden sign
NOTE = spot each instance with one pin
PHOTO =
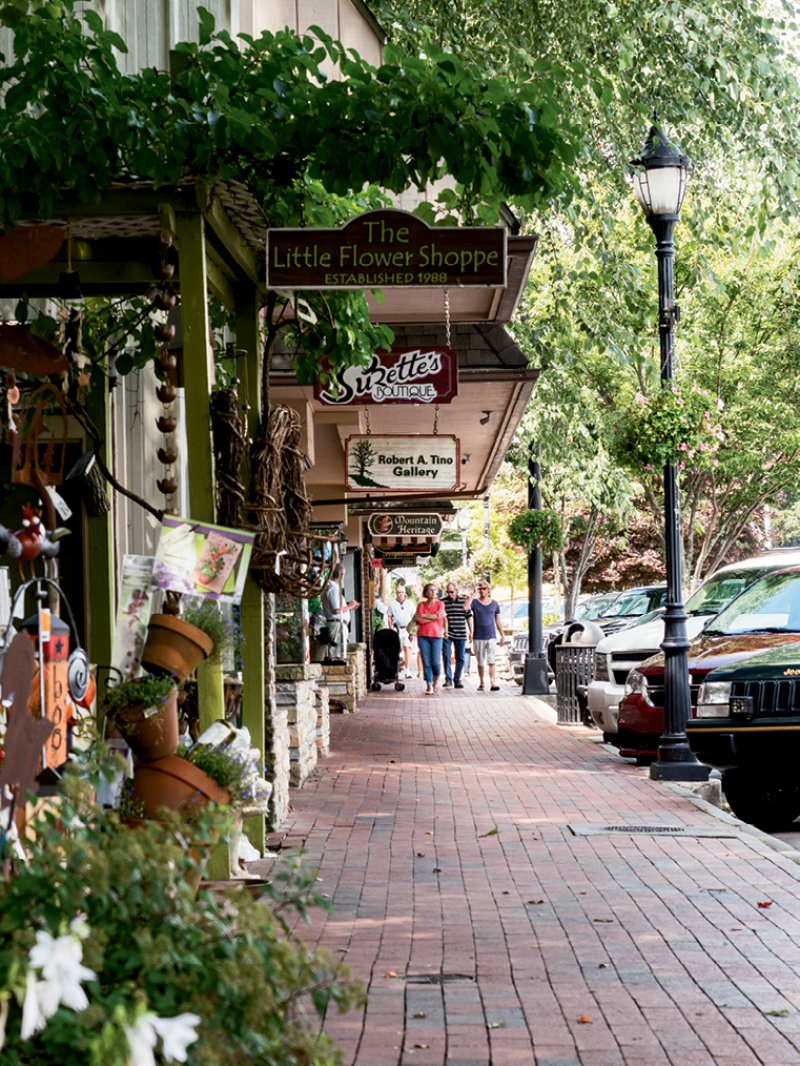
(387, 250)
(389, 524)
(399, 376)
(411, 463)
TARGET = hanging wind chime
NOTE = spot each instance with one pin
(165, 299)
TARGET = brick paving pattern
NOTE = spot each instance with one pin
(439, 827)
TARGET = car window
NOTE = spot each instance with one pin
(772, 604)
(633, 604)
(593, 608)
(719, 590)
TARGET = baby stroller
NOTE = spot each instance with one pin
(385, 660)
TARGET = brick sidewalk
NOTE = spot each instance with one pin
(440, 828)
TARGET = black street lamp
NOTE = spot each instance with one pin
(660, 185)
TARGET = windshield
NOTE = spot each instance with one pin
(590, 609)
(633, 603)
(719, 590)
(771, 605)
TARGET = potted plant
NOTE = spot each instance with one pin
(145, 710)
(207, 616)
(174, 646)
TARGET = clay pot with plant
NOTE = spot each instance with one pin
(175, 646)
(145, 710)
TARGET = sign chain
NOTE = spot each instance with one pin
(447, 316)
(366, 416)
(436, 420)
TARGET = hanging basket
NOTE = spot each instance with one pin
(174, 646)
(151, 732)
(174, 783)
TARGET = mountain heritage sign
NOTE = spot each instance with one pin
(412, 463)
(390, 524)
(402, 375)
(387, 250)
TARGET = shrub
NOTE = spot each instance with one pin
(147, 956)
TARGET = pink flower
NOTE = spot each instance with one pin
(641, 398)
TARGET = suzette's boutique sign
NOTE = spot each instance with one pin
(402, 375)
(413, 463)
(387, 250)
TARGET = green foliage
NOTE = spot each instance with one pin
(537, 529)
(207, 616)
(137, 695)
(671, 426)
(154, 945)
(491, 561)
(232, 770)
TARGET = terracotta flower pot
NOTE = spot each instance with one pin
(151, 733)
(174, 646)
(174, 783)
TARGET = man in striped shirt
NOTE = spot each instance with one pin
(459, 623)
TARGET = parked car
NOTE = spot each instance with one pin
(629, 606)
(748, 711)
(514, 613)
(739, 631)
(616, 655)
(587, 610)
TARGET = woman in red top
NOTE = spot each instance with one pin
(431, 627)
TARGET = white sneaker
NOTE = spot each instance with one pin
(407, 674)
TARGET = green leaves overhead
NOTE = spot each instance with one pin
(262, 111)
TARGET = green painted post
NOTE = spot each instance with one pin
(248, 338)
(197, 384)
(100, 617)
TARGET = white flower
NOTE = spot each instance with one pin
(177, 1034)
(142, 1041)
(33, 1021)
(3, 1019)
(59, 959)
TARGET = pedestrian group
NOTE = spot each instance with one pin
(445, 630)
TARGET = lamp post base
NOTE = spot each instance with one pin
(535, 681)
(678, 771)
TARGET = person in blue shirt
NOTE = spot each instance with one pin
(486, 632)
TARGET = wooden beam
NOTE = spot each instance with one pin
(248, 336)
(229, 237)
(99, 545)
(197, 368)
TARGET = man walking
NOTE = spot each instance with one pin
(398, 614)
(459, 623)
(486, 613)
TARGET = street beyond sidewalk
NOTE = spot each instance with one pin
(448, 831)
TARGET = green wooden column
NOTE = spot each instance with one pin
(100, 617)
(197, 384)
(248, 338)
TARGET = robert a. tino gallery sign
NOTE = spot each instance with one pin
(412, 463)
(401, 375)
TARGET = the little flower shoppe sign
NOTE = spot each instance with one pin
(389, 250)
(414, 463)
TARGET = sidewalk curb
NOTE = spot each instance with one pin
(723, 816)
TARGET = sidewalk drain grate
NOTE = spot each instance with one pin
(437, 978)
(662, 830)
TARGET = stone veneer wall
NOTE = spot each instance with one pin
(347, 684)
(276, 721)
(296, 691)
(323, 722)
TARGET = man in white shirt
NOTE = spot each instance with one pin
(336, 615)
(400, 612)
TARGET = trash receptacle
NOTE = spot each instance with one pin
(574, 663)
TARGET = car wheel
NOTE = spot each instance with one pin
(611, 738)
(769, 805)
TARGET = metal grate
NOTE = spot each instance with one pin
(653, 830)
(437, 978)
